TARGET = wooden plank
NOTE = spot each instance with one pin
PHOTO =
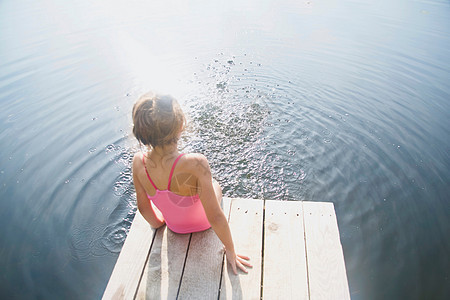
(202, 273)
(285, 273)
(246, 217)
(163, 270)
(128, 269)
(284, 256)
(201, 278)
(326, 267)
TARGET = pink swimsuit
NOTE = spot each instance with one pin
(183, 214)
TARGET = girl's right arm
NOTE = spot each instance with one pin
(150, 213)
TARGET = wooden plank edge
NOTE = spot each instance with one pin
(129, 266)
(226, 206)
(306, 250)
(261, 291)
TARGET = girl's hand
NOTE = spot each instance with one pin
(237, 260)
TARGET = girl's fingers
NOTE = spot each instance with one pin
(245, 263)
(241, 262)
(241, 266)
(243, 256)
(243, 259)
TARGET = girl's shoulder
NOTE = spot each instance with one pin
(195, 163)
(194, 158)
(138, 156)
(138, 159)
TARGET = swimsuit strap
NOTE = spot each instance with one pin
(148, 175)
(173, 168)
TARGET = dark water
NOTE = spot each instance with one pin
(342, 101)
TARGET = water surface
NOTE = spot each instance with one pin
(341, 101)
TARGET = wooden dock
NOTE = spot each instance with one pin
(294, 248)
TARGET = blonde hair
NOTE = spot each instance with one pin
(157, 120)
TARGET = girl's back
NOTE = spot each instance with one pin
(171, 185)
(183, 182)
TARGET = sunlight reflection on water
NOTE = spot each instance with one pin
(310, 100)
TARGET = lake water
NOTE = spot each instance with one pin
(342, 101)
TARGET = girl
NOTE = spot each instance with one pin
(172, 188)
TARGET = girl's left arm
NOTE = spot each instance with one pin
(215, 215)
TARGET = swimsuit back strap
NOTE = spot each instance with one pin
(148, 175)
(173, 168)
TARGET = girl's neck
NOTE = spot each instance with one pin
(164, 151)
